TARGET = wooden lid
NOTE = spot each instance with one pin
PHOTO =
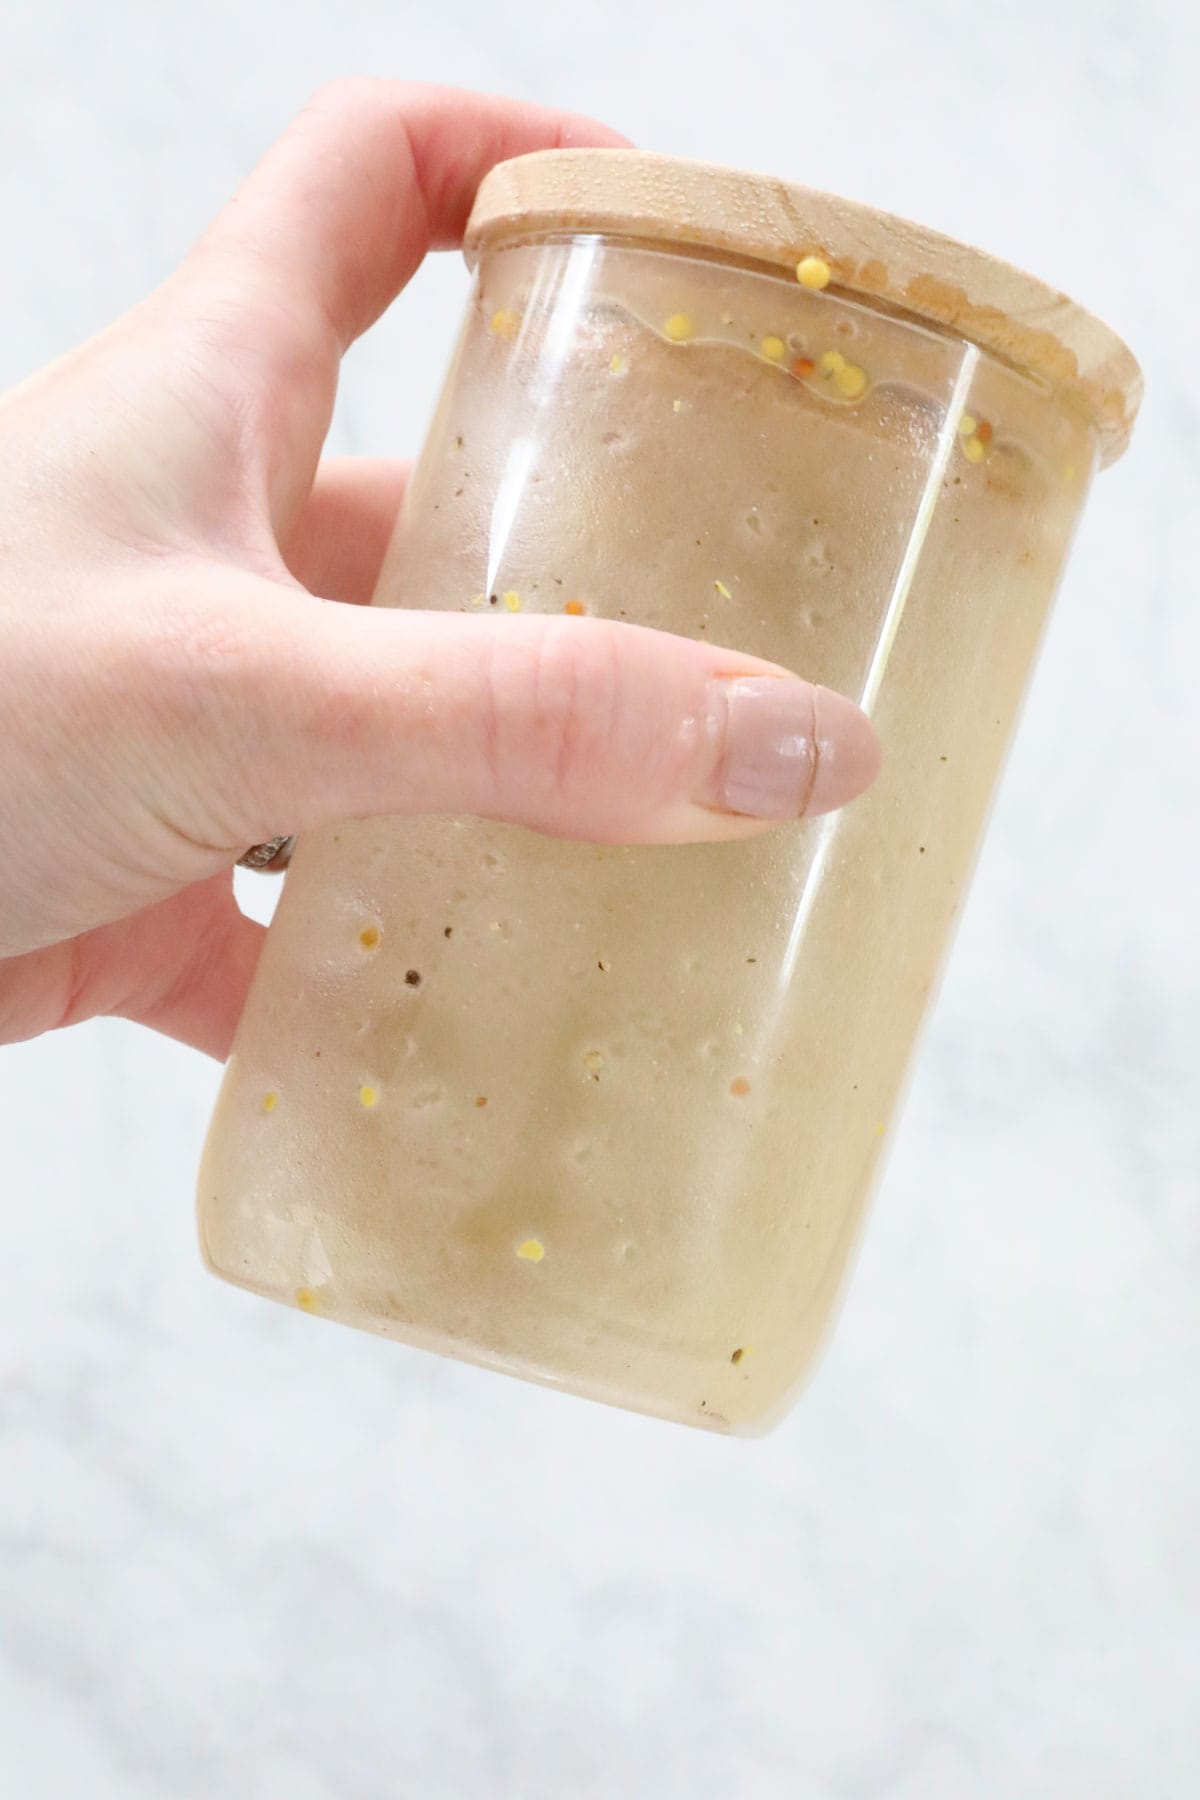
(633, 193)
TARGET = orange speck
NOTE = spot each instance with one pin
(739, 1086)
(984, 432)
(481, 1100)
(306, 1300)
(803, 367)
(575, 608)
(369, 936)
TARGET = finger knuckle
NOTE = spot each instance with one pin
(345, 95)
(553, 717)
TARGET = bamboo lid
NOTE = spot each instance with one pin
(663, 199)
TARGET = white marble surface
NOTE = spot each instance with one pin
(246, 1555)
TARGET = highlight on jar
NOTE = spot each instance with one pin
(608, 1117)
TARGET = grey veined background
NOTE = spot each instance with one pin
(245, 1555)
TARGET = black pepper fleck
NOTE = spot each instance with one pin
(413, 977)
(449, 931)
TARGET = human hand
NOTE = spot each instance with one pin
(171, 688)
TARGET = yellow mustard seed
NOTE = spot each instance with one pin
(512, 600)
(832, 362)
(773, 348)
(270, 1101)
(812, 272)
(678, 328)
(722, 590)
(677, 406)
(850, 381)
(368, 1096)
(504, 323)
(306, 1300)
(967, 425)
(616, 365)
(532, 1250)
(974, 450)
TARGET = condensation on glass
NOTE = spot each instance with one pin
(607, 1117)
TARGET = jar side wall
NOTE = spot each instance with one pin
(625, 1126)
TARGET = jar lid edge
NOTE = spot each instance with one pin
(870, 253)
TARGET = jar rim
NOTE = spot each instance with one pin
(873, 255)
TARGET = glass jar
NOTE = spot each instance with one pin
(607, 1117)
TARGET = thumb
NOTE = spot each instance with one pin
(579, 727)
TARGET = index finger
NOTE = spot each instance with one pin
(366, 179)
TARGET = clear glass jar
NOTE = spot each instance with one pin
(607, 1117)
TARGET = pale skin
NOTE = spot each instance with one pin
(174, 686)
